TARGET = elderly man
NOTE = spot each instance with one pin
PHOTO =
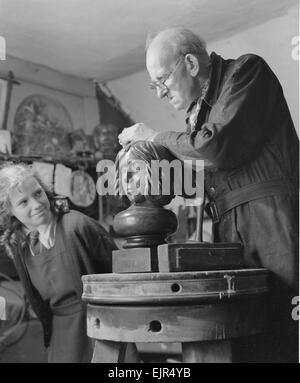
(239, 123)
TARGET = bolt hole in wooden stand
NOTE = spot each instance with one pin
(197, 294)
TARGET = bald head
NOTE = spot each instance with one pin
(174, 42)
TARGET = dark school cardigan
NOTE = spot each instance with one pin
(88, 251)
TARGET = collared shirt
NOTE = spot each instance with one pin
(195, 107)
(193, 110)
(46, 234)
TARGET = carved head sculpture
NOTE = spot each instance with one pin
(149, 187)
(139, 177)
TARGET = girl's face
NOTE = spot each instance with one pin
(29, 204)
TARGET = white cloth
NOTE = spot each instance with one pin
(62, 180)
(47, 234)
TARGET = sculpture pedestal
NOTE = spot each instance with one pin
(204, 311)
(139, 260)
(179, 257)
(144, 226)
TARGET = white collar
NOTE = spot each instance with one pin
(47, 233)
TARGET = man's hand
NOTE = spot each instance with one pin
(136, 132)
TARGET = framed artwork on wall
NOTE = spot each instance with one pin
(42, 126)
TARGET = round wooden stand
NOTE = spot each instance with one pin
(204, 311)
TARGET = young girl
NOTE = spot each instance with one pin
(51, 252)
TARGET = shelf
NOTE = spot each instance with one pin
(68, 161)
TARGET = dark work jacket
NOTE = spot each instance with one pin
(245, 135)
(89, 252)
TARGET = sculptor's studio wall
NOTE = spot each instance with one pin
(76, 95)
(52, 117)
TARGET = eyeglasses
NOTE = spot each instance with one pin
(160, 84)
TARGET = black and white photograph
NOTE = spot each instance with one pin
(149, 184)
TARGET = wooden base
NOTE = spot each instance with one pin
(180, 323)
(178, 257)
(199, 256)
(139, 260)
(204, 311)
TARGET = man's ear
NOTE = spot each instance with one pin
(192, 64)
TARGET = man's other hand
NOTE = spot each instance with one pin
(136, 132)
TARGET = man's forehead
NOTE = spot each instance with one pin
(160, 50)
(158, 61)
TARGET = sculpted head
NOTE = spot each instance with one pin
(138, 176)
